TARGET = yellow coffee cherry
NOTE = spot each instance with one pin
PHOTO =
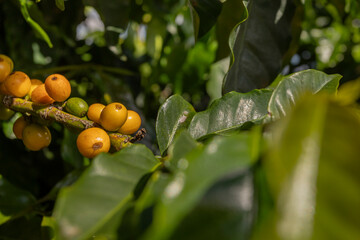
(94, 112)
(6, 67)
(36, 137)
(19, 126)
(18, 84)
(93, 141)
(113, 116)
(132, 123)
(58, 87)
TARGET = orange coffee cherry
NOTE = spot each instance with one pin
(93, 141)
(58, 87)
(6, 67)
(132, 123)
(18, 84)
(113, 116)
(94, 112)
(36, 137)
(34, 84)
(40, 96)
(19, 126)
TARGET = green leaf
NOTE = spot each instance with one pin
(60, 4)
(230, 112)
(226, 211)
(12, 199)
(182, 145)
(259, 46)
(173, 116)
(291, 87)
(349, 92)
(233, 13)
(101, 192)
(313, 170)
(48, 228)
(216, 77)
(200, 169)
(205, 14)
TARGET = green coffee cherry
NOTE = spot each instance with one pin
(5, 113)
(76, 106)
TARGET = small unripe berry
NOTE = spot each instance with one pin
(76, 106)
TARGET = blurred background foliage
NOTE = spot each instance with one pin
(140, 52)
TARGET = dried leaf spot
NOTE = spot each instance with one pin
(97, 145)
(118, 107)
(54, 78)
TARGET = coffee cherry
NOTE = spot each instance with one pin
(5, 113)
(76, 106)
(36, 137)
(132, 123)
(93, 141)
(113, 116)
(34, 84)
(6, 67)
(94, 112)
(40, 96)
(19, 126)
(18, 84)
(58, 87)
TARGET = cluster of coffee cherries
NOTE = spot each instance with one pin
(114, 117)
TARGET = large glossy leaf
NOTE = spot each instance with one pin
(200, 169)
(233, 13)
(182, 145)
(291, 87)
(205, 14)
(232, 111)
(259, 46)
(173, 116)
(101, 192)
(225, 212)
(313, 170)
(12, 199)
